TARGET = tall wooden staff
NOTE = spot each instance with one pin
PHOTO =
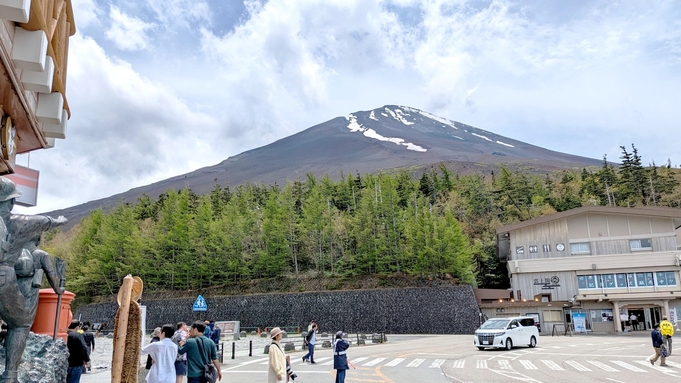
(125, 294)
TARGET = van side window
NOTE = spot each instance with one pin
(527, 322)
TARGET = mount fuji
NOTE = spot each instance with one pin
(383, 139)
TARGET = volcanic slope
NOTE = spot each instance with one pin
(386, 138)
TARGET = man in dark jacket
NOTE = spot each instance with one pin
(340, 358)
(657, 345)
(78, 354)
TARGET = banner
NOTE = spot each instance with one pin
(579, 319)
(672, 315)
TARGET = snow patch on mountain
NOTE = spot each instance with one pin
(481, 136)
(372, 116)
(431, 116)
(398, 114)
(354, 126)
(505, 144)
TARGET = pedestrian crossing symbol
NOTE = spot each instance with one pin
(200, 304)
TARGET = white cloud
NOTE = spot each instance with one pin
(125, 131)
(127, 32)
(85, 13)
(582, 78)
(171, 13)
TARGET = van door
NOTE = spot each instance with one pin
(514, 330)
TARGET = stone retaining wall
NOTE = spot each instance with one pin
(437, 310)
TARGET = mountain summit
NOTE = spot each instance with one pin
(386, 138)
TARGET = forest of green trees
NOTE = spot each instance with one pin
(441, 226)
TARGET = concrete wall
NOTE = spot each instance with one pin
(437, 310)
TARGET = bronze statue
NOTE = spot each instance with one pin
(18, 292)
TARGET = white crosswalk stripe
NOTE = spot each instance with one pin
(358, 360)
(436, 363)
(459, 363)
(415, 363)
(504, 364)
(553, 365)
(374, 362)
(481, 363)
(603, 366)
(627, 366)
(394, 362)
(528, 365)
(576, 365)
(673, 364)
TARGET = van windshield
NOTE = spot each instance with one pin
(494, 324)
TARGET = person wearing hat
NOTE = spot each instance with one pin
(340, 358)
(667, 331)
(16, 231)
(277, 370)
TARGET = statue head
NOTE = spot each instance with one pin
(8, 190)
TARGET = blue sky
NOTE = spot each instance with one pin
(162, 87)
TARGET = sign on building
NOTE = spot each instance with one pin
(200, 304)
(26, 180)
(672, 315)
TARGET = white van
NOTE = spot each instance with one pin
(506, 333)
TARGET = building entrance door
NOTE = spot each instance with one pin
(653, 316)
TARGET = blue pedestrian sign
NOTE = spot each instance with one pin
(200, 304)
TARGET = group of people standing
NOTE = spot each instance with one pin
(280, 363)
(180, 352)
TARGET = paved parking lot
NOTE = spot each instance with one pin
(453, 358)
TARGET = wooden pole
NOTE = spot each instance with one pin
(121, 330)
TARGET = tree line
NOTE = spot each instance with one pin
(440, 226)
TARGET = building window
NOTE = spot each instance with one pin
(580, 248)
(609, 280)
(533, 248)
(665, 278)
(621, 280)
(590, 281)
(640, 244)
(581, 281)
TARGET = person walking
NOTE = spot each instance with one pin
(89, 338)
(310, 339)
(658, 343)
(277, 364)
(163, 353)
(78, 355)
(340, 358)
(180, 360)
(667, 331)
(199, 350)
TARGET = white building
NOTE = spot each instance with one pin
(598, 264)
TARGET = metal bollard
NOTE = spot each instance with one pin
(250, 348)
(233, 349)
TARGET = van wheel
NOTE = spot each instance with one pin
(481, 348)
(509, 344)
(533, 342)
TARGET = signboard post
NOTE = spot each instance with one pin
(200, 304)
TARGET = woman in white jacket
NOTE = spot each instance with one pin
(277, 371)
